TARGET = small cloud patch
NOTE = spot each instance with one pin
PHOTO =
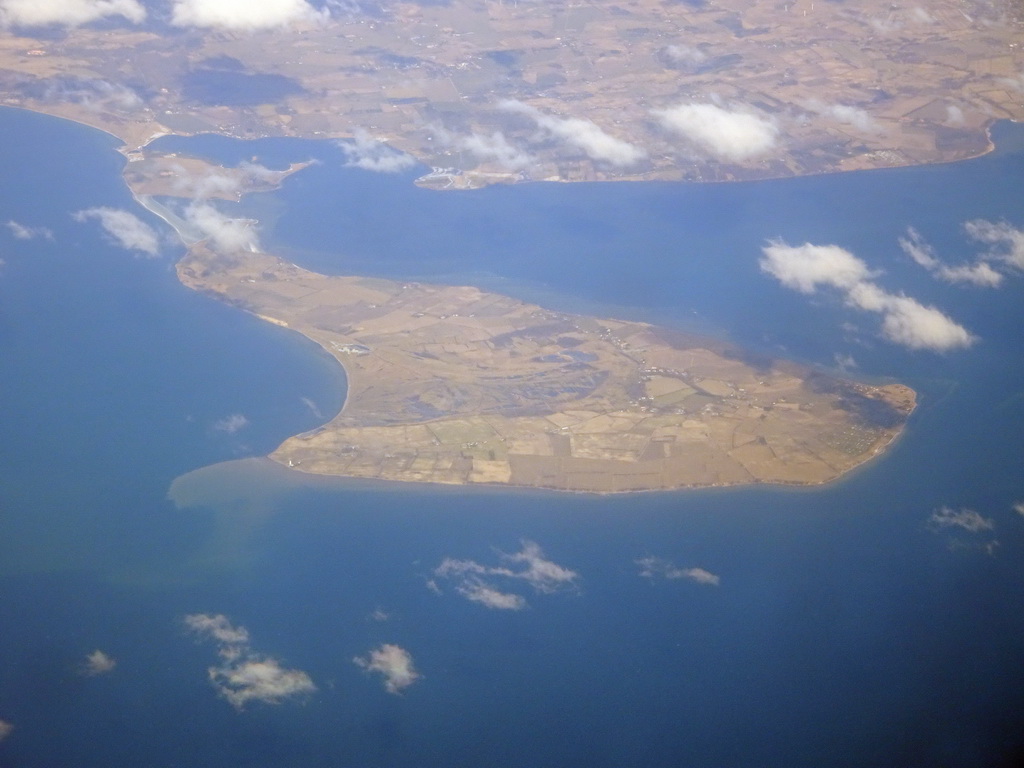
(846, 114)
(92, 93)
(231, 184)
(687, 55)
(954, 116)
(223, 234)
(67, 13)
(393, 663)
(259, 678)
(947, 518)
(964, 529)
(244, 675)
(1016, 82)
(656, 567)
(312, 407)
(581, 134)
(488, 584)
(922, 253)
(488, 148)
(24, 232)
(231, 424)
(476, 591)
(733, 133)
(218, 628)
(844, 362)
(125, 229)
(97, 663)
(364, 151)
(807, 268)
(245, 15)
(1006, 241)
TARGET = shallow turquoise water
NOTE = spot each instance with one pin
(844, 631)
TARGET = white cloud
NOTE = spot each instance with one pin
(364, 151)
(980, 274)
(920, 15)
(494, 148)
(226, 183)
(23, 232)
(909, 323)
(223, 233)
(701, 576)
(312, 407)
(844, 362)
(954, 115)
(245, 15)
(116, 95)
(807, 267)
(67, 13)
(541, 574)
(208, 185)
(256, 172)
(394, 663)
(98, 663)
(231, 424)
(581, 134)
(1016, 82)
(259, 678)
(1006, 240)
(450, 567)
(5, 729)
(476, 582)
(653, 567)
(218, 628)
(476, 591)
(685, 54)
(245, 676)
(917, 249)
(126, 229)
(379, 614)
(93, 94)
(855, 116)
(732, 134)
(946, 517)
(846, 115)
(1019, 508)
(887, 25)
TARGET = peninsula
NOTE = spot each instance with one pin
(455, 385)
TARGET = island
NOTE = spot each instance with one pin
(455, 385)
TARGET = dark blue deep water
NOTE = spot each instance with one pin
(845, 630)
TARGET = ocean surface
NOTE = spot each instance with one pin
(848, 626)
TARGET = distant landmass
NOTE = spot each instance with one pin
(486, 93)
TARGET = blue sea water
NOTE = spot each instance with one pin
(845, 630)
